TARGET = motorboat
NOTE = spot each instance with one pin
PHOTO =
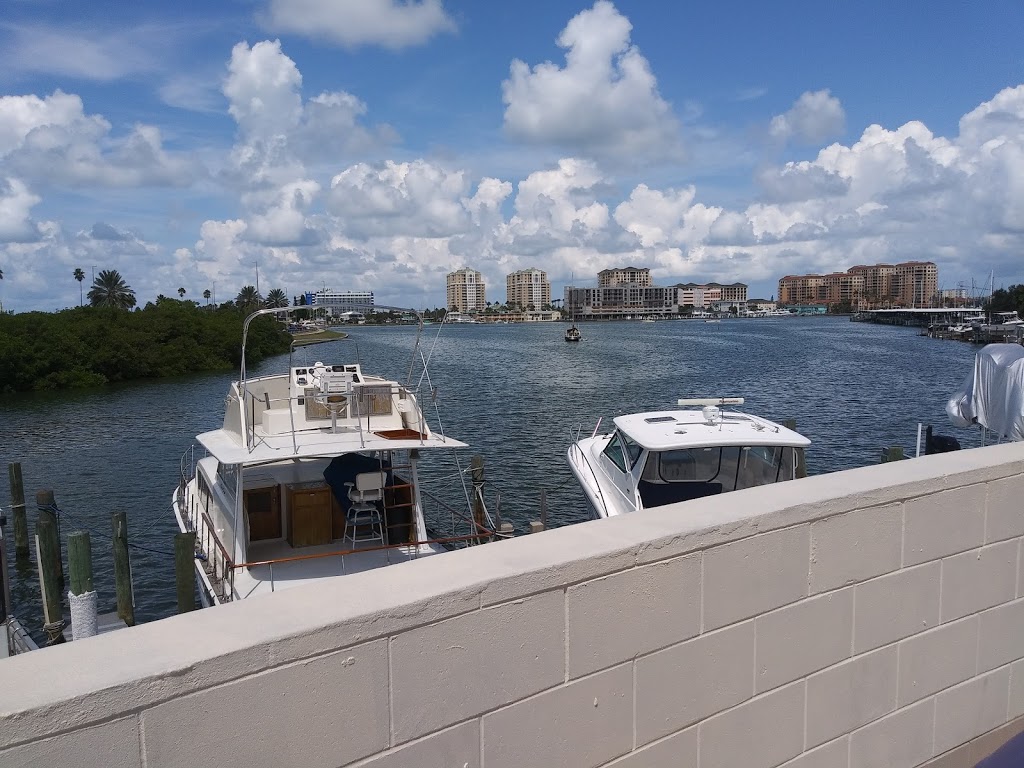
(572, 333)
(657, 458)
(992, 396)
(315, 472)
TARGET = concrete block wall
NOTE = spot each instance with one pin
(866, 618)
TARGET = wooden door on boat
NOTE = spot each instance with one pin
(263, 507)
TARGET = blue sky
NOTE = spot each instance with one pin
(372, 144)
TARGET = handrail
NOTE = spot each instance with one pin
(597, 481)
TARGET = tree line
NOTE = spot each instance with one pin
(91, 346)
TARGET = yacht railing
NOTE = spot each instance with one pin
(584, 461)
(217, 562)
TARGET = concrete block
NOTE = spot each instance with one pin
(937, 659)
(760, 733)
(1016, 690)
(585, 723)
(754, 575)
(111, 745)
(1004, 515)
(849, 695)
(458, 746)
(900, 740)
(336, 705)
(1020, 569)
(983, 746)
(943, 523)
(971, 709)
(979, 579)
(460, 668)
(856, 546)
(677, 749)
(802, 638)
(628, 614)
(686, 683)
(896, 606)
(1001, 637)
(835, 754)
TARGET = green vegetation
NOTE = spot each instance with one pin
(1008, 300)
(96, 345)
(110, 290)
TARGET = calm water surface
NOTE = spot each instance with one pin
(515, 393)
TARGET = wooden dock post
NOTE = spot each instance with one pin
(48, 558)
(801, 458)
(184, 570)
(544, 507)
(21, 545)
(46, 504)
(81, 596)
(477, 473)
(122, 568)
(895, 453)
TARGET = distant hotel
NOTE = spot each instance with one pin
(340, 302)
(528, 287)
(467, 291)
(910, 284)
(628, 292)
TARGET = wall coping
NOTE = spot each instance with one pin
(65, 687)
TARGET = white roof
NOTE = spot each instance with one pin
(225, 446)
(687, 428)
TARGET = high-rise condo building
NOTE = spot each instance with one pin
(528, 287)
(613, 278)
(909, 284)
(337, 302)
(466, 290)
(709, 294)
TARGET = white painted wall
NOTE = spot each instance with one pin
(866, 618)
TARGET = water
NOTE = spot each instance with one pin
(515, 393)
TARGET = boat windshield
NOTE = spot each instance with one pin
(690, 473)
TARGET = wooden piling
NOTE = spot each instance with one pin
(46, 506)
(122, 568)
(544, 507)
(21, 545)
(48, 558)
(80, 562)
(894, 453)
(184, 570)
(477, 473)
(801, 457)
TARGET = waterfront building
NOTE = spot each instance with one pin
(467, 291)
(705, 295)
(620, 276)
(909, 284)
(761, 305)
(628, 300)
(339, 302)
(526, 287)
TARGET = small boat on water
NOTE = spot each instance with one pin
(662, 457)
(315, 473)
(573, 333)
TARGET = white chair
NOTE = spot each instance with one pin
(363, 513)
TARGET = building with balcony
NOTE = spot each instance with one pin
(467, 291)
(613, 278)
(528, 287)
(909, 284)
(705, 295)
(620, 302)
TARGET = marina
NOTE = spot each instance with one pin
(516, 394)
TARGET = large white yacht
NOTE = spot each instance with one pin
(663, 457)
(314, 473)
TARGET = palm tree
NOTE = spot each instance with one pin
(248, 296)
(206, 295)
(181, 293)
(80, 276)
(110, 290)
(277, 298)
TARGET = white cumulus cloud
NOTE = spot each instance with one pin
(604, 102)
(16, 203)
(813, 118)
(388, 23)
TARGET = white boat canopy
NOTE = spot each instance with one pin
(668, 430)
(993, 395)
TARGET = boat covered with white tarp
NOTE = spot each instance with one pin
(993, 395)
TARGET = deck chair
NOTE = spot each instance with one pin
(363, 513)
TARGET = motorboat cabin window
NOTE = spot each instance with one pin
(228, 474)
(615, 452)
(633, 449)
(690, 473)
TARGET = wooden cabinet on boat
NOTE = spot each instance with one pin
(311, 514)
(263, 507)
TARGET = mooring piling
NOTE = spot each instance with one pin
(48, 559)
(122, 568)
(81, 596)
(21, 545)
(184, 570)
